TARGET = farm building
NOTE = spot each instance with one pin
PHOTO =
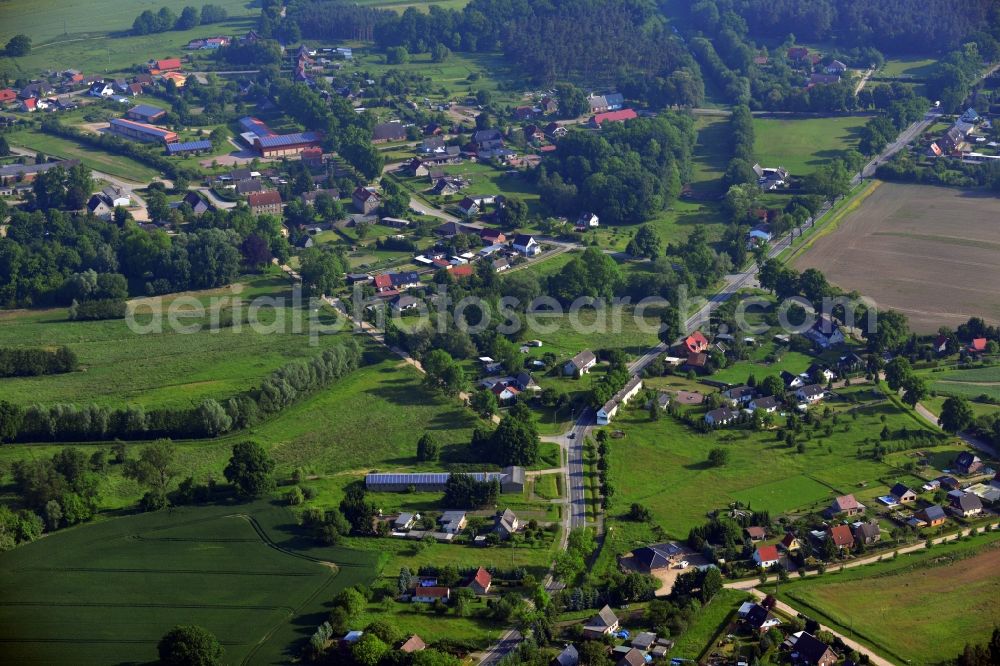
(189, 147)
(141, 131)
(511, 480)
(282, 145)
(145, 113)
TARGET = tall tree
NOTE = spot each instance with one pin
(249, 470)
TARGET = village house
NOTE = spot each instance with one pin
(810, 394)
(506, 523)
(655, 557)
(568, 657)
(487, 140)
(555, 131)
(416, 168)
(385, 132)
(967, 464)
(903, 494)
(695, 343)
(526, 245)
(198, 205)
(481, 582)
(265, 203)
(610, 408)
(453, 522)
(766, 557)
(365, 201)
(506, 395)
(739, 395)
(810, 651)
(844, 505)
(867, 532)
(588, 221)
(469, 207)
(492, 236)
(602, 624)
(580, 364)
(931, 516)
(825, 332)
(759, 619)
(721, 416)
(100, 206)
(841, 536)
(790, 542)
(965, 505)
(633, 657)
(768, 404)
(755, 533)
(405, 521)
(412, 644)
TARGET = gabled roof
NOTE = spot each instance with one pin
(841, 535)
(845, 503)
(633, 657)
(614, 116)
(604, 618)
(568, 657)
(412, 644)
(583, 359)
(966, 459)
(967, 502)
(482, 577)
(768, 554)
(899, 490)
(523, 239)
(933, 512)
(268, 198)
(789, 539)
(810, 648)
(811, 390)
(867, 531)
(656, 556)
(755, 532)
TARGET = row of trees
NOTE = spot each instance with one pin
(150, 22)
(282, 388)
(27, 362)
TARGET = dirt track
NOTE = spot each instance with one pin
(932, 253)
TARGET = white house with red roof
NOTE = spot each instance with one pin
(766, 556)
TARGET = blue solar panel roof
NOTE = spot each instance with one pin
(279, 140)
(188, 145)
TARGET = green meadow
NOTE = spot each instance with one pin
(662, 465)
(802, 145)
(99, 160)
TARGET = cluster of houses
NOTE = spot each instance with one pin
(964, 140)
(814, 72)
(507, 390)
(755, 618)
(54, 93)
(411, 644)
(450, 524)
(16, 179)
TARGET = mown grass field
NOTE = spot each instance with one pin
(921, 608)
(708, 623)
(164, 369)
(662, 465)
(802, 145)
(116, 165)
(907, 68)
(107, 592)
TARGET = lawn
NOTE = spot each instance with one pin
(803, 145)
(914, 67)
(166, 369)
(711, 154)
(662, 465)
(549, 486)
(106, 592)
(707, 624)
(921, 608)
(99, 160)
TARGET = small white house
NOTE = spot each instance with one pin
(721, 416)
(102, 89)
(811, 393)
(526, 245)
(589, 220)
(766, 556)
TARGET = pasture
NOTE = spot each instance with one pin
(928, 252)
(98, 160)
(156, 369)
(921, 608)
(105, 593)
(663, 465)
(907, 67)
(802, 145)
